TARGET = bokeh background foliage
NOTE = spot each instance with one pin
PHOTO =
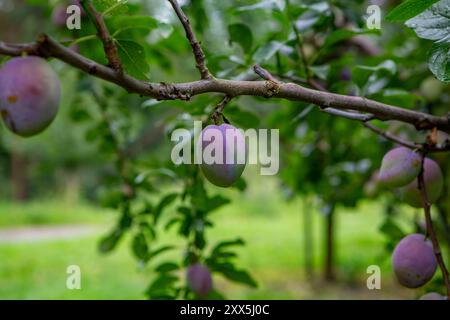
(68, 196)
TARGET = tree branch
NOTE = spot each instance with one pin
(109, 46)
(430, 229)
(391, 137)
(47, 47)
(196, 48)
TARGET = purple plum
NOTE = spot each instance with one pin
(413, 261)
(432, 296)
(226, 147)
(399, 167)
(29, 95)
(434, 183)
(199, 279)
(59, 16)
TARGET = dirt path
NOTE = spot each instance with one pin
(42, 233)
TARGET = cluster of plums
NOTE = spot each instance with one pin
(29, 95)
(223, 174)
(413, 259)
(399, 170)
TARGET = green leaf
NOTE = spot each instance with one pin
(110, 198)
(225, 244)
(264, 4)
(111, 7)
(409, 9)
(230, 272)
(372, 79)
(434, 23)
(267, 51)
(133, 59)
(439, 61)
(140, 247)
(158, 251)
(163, 203)
(109, 242)
(344, 34)
(215, 202)
(398, 97)
(167, 267)
(123, 23)
(241, 118)
(162, 287)
(241, 34)
(391, 229)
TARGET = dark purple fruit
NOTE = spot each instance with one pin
(199, 279)
(413, 261)
(227, 140)
(399, 167)
(29, 95)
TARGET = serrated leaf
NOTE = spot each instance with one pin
(133, 58)
(439, 61)
(434, 23)
(409, 9)
(241, 34)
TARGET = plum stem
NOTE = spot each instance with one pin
(429, 226)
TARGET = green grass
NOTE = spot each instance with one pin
(273, 253)
(50, 212)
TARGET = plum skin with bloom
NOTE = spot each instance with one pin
(399, 167)
(29, 95)
(223, 174)
(413, 261)
(199, 279)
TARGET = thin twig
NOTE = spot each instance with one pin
(430, 229)
(196, 48)
(391, 137)
(365, 119)
(349, 115)
(263, 73)
(109, 45)
(218, 110)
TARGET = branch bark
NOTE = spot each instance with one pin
(109, 46)
(196, 48)
(47, 47)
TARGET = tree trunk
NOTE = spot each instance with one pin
(308, 247)
(19, 181)
(329, 274)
